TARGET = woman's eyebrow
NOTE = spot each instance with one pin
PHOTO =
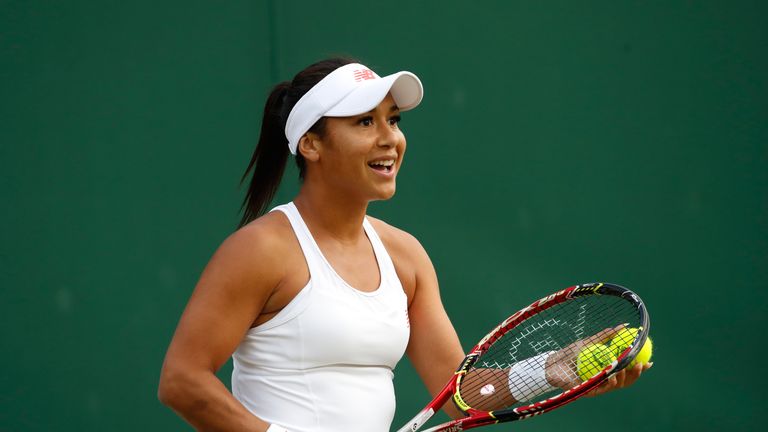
(391, 109)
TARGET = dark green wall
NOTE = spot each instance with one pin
(558, 142)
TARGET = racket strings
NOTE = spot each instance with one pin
(550, 352)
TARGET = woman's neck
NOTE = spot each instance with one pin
(331, 214)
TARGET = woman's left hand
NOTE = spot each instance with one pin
(560, 368)
(624, 378)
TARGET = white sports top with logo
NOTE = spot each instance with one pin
(324, 362)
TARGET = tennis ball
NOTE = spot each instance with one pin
(621, 341)
(592, 359)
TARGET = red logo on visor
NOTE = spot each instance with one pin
(364, 74)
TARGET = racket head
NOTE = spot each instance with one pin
(566, 323)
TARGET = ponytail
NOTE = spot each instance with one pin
(269, 158)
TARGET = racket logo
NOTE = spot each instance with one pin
(504, 324)
(460, 402)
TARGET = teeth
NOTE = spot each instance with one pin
(386, 163)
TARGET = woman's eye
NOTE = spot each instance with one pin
(366, 121)
(394, 120)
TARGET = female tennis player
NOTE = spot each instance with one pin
(316, 301)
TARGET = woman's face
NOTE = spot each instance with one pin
(361, 155)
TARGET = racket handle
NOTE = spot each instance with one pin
(418, 420)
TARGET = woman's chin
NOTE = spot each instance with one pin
(385, 194)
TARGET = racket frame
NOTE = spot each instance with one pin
(475, 417)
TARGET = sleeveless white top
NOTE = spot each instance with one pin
(324, 362)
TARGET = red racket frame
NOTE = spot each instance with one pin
(477, 418)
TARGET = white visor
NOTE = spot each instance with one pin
(350, 90)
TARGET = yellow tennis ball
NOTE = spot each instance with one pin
(644, 356)
(624, 338)
(592, 359)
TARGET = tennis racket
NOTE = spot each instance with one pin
(544, 356)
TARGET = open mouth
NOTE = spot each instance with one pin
(383, 165)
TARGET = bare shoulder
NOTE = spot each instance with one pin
(408, 255)
(396, 240)
(258, 248)
(270, 230)
(233, 291)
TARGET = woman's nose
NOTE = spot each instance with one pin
(386, 135)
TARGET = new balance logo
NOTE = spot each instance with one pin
(364, 74)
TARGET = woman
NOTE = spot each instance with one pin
(316, 301)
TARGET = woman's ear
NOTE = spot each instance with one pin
(309, 147)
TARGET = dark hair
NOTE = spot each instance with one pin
(271, 153)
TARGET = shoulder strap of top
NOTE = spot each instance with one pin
(312, 255)
(387, 266)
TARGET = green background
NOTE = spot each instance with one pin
(558, 142)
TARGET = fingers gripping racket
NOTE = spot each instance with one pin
(544, 356)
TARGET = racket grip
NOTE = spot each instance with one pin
(527, 378)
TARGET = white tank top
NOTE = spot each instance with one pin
(324, 362)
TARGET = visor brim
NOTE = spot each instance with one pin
(405, 87)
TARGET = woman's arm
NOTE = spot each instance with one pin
(231, 293)
(434, 348)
